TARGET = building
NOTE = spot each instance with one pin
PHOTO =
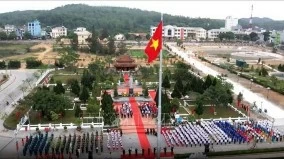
(174, 32)
(277, 37)
(83, 35)
(20, 31)
(124, 63)
(230, 22)
(34, 28)
(119, 37)
(2, 29)
(58, 32)
(214, 33)
(9, 28)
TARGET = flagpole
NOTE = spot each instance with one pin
(160, 96)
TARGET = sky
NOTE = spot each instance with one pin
(203, 9)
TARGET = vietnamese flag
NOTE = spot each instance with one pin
(155, 44)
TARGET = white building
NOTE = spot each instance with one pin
(83, 35)
(213, 33)
(119, 37)
(170, 31)
(58, 32)
(230, 22)
(9, 28)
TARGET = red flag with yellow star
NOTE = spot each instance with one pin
(155, 44)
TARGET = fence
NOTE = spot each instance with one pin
(59, 126)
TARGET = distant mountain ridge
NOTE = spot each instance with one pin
(119, 19)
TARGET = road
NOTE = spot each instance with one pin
(251, 97)
(11, 92)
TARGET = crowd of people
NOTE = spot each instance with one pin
(221, 132)
(126, 110)
(114, 140)
(148, 110)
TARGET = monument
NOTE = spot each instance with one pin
(131, 92)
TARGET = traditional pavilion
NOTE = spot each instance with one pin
(124, 63)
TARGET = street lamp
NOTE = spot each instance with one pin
(268, 89)
(251, 83)
(238, 76)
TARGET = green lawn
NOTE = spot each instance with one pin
(141, 53)
(9, 49)
(64, 78)
(222, 112)
(58, 72)
(181, 110)
(68, 118)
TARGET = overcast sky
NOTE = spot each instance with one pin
(203, 9)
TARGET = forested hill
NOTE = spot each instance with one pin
(114, 19)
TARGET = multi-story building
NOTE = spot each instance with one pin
(34, 28)
(20, 31)
(58, 32)
(214, 33)
(9, 28)
(174, 32)
(83, 35)
(230, 22)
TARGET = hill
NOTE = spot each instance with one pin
(115, 19)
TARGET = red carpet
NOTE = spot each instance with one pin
(144, 143)
(152, 94)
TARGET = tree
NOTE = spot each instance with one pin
(87, 79)
(115, 92)
(78, 111)
(75, 87)
(74, 39)
(14, 64)
(175, 104)
(199, 108)
(176, 92)
(146, 92)
(179, 84)
(246, 37)
(253, 36)
(84, 96)
(46, 101)
(27, 35)
(93, 106)
(207, 83)
(2, 64)
(230, 36)
(109, 60)
(12, 35)
(222, 36)
(68, 56)
(266, 35)
(148, 36)
(59, 89)
(104, 34)
(121, 48)
(107, 107)
(3, 36)
(264, 72)
(23, 89)
(111, 46)
(166, 82)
